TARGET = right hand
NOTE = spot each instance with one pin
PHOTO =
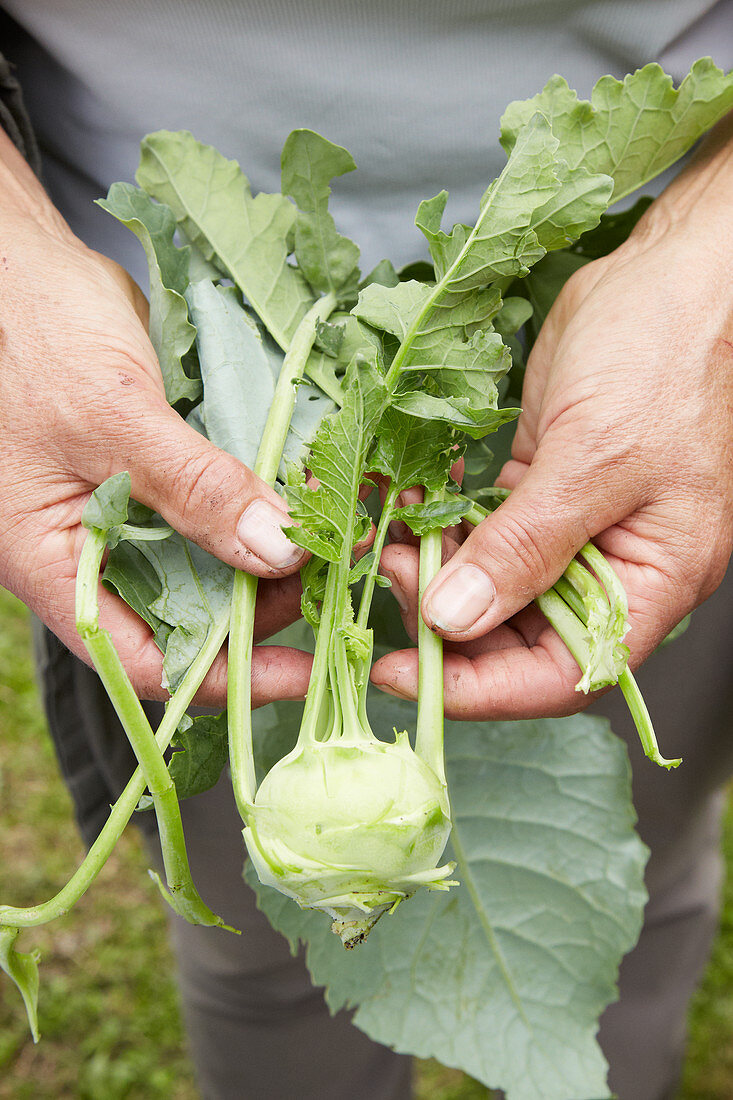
(81, 398)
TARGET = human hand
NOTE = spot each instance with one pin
(626, 437)
(81, 398)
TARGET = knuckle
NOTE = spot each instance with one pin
(522, 545)
(203, 483)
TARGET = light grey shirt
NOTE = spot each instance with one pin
(413, 88)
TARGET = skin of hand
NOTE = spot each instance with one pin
(81, 398)
(626, 437)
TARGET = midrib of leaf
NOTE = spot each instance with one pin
(415, 328)
(277, 334)
(468, 882)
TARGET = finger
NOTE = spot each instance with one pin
(278, 605)
(277, 672)
(508, 681)
(523, 547)
(210, 497)
(399, 563)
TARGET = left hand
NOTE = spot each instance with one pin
(626, 437)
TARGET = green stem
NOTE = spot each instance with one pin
(642, 721)
(318, 686)
(244, 596)
(182, 894)
(629, 688)
(567, 624)
(564, 609)
(377, 546)
(124, 807)
(430, 715)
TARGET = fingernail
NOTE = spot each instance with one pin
(260, 529)
(461, 599)
(398, 530)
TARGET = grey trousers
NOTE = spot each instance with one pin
(257, 1028)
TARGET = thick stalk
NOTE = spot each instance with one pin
(319, 679)
(630, 689)
(183, 895)
(124, 807)
(244, 597)
(566, 613)
(370, 579)
(430, 716)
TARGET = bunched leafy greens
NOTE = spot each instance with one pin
(274, 348)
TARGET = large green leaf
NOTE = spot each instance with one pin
(194, 593)
(507, 974)
(632, 129)
(328, 260)
(171, 333)
(247, 238)
(538, 203)
(235, 369)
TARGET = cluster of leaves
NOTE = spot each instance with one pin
(250, 294)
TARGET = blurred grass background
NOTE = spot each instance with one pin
(108, 1007)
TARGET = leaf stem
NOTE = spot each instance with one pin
(124, 807)
(244, 596)
(377, 546)
(430, 716)
(565, 610)
(181, 893)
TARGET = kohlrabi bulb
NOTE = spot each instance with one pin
(350, 826)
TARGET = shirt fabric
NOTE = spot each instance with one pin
(414, 90)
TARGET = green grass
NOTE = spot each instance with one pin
(109, 1011)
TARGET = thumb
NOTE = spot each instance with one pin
(210, 497)
(516, 553)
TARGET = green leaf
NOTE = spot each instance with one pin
(514, 313)
(328, 260)
(506, 975)
(311, 406)
(383, 273)
(247, 238)
(631, 129)
(454, 411)
(422, 518)
(23, 970)
(171, 334)
(412, 452)
(194, 593)
(107, 507)
(392, 308)
(202, 755)
(537, 203)
(133, 578)
(236, 371)
(239, 367)
(337, 461)
(329, 337)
